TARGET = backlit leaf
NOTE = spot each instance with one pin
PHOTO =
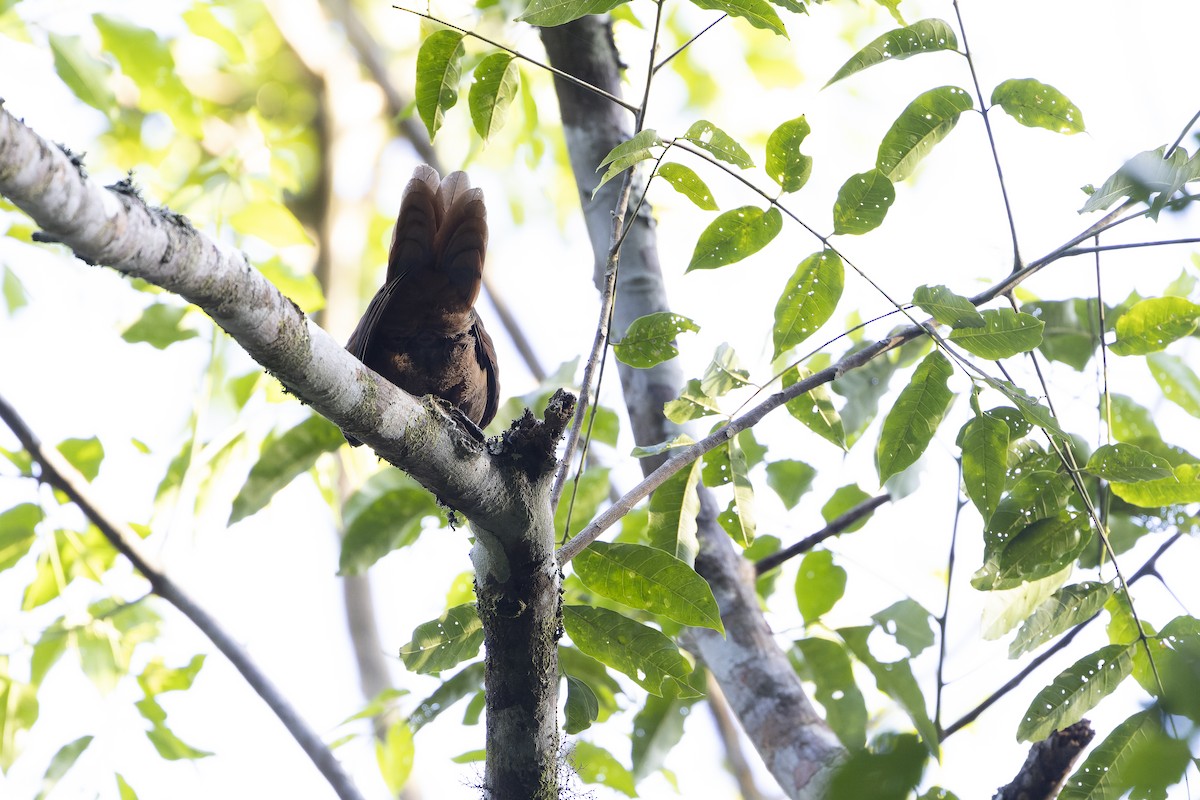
(159, 326)
(442, 643)
(734, 235)
(925, 122)
(923, 36)
(1182, 487)
(1075, 691)
(947, 307)
(685, 181)
(826, 664)
(786, 165)
(819, 585)
(1152, 324)
(1038, 105)
(1005, 333)
(438, 73)
(496, 84)
(650, 339)
(1177, 380)
(1127, 463)
(985, 462)
(673, 510)
(757, 12)
(626, 154)
(549, 13)
(283, 457)
(646, 655)
(863, 202)
(1065, 609)
(709, 137)
(815, 408)
(910, 425)
(808, 300)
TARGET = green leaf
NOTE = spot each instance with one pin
(159, 326)
(18, 712)
(1075, 691)
(582, 707)
(158, 678)
(709, 137)
(384, 515)
(650, 340)
(497, 81)
(1066, 608)
(284, 457)
(890, 769)
(626, 154)
(1137, 754)
(947, 307)
(1004, 334)
(272, 221)
(61, 763)
(723, 374)
(924, 36)
(808, 300)
(1130, 421)
(301, 288)
(1033, 411)
(438, 74)
(146, 59)
(592, 490)
(757, 12)
(925, 122)
(646, 655)
(464, 683)
(819, 585)
(895, 680)
(786, 165)
(1152, 324)
(1070, 332)
(86, 76)
(742, 525)
(734, 235)
(549, 13)
(84, 455)
(594, 764)
(908, 621)
(1038, 551)
(985, 462)
(647, 578)
(910, 425)
(1127, 463)
(863, 202)
(1182, 487)
(692, 403)
(15, 295)
(442, 643)
(827, 665)
(814, 408)
(1178, 382)
(844, 499)
(124, 790)
(203, 22)
(790, 480)
(395, 753)
(1038, 105)
(1178, 665)
(673, 510)
(685, 181)
(657, 729)
(1147, 175)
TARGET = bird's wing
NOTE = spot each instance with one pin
(485, 352)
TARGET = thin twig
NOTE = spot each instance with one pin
(836, 526)
(1179, 139)
(1079, 251)
(945, 615)
(987, 125)
(56, 472)
(620, 229)
(587, 87)
(689, 42)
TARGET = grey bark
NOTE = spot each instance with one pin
(763, 690)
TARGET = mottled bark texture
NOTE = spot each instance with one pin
(762, 688)
(1048, 764)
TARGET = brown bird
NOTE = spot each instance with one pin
(421, 331)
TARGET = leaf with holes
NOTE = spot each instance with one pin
(735, 235)
(1152, 324)
(1182, 487)
(442, 643)
(626, 154)
(646, 655)
(709, 137)
(723, 373)
(497, 81)
(649, 579)
(757, 12)
(1066, 608)
(1038, 105)
(985, 462)
(925, 122)
(1076, 690)
(808, 300)
(1127, 463)
(1120, 762)
(549, 13)
(814, 408)
(650, 340)
(827, 665)
(438, 73)
(863, 202)
(947, 307)
(1177, 380)
(673, 510)
(685, 181)
(1005, 333)
(910, 425)
(786, 165)
(924, 36)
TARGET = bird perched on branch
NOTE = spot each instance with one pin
(421, 331)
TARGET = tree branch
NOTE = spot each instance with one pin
(863, 509)
(56, 472)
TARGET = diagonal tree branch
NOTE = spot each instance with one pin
(56, 472)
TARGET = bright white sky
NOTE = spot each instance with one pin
(1129, 68)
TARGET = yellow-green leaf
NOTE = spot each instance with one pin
(1038, 105)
